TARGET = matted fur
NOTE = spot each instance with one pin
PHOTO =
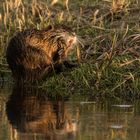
(32, 53)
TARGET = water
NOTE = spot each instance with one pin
(33, 114)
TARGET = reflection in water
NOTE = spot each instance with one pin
(31, 112)
(34, 115)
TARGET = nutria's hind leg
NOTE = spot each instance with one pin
(45, 73)
(61, 67)
(33, 76)
(51, 70)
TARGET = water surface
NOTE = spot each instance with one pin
(33, 114)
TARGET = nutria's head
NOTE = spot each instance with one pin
(67, 35)
(64, 38)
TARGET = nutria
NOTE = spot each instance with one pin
(32, 54)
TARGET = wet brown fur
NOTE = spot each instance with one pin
(32, 54)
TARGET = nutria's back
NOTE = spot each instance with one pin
(31, 54)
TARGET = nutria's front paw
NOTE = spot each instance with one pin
(71, 64)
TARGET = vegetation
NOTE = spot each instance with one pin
(110, 30)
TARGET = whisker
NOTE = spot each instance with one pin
(79, 40)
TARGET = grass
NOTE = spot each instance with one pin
(110, 30)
